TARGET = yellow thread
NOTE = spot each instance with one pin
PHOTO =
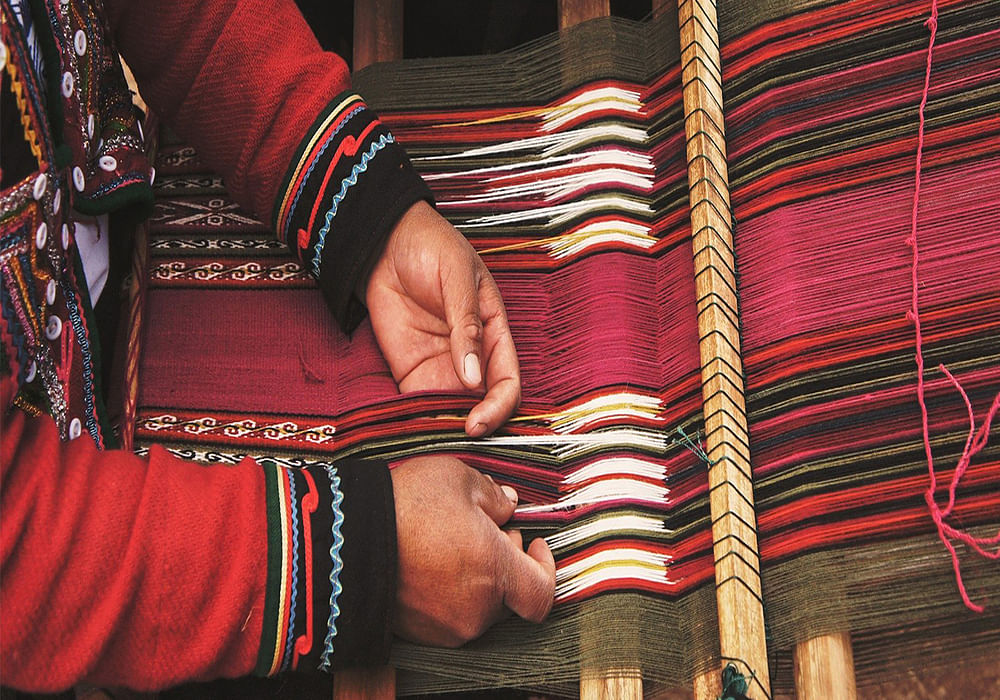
(28, 408)
(568, 238)
(314, 137)
(282, 502)
(23, 288)
(555, 111)
(22, 105)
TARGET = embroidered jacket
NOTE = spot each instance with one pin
(147, 573)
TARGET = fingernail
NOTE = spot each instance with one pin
(478, 429)
(510, 493)
(473, 375)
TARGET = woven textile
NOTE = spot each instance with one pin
(564, 163)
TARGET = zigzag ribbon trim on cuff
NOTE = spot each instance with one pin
(300, 507)
(345, 185)
(338, 565)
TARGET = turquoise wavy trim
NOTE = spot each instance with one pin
(335, 569)
(312, 166)
(345, 185)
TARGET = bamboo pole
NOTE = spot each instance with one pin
(734, 536)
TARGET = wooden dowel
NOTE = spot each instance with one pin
(625, 684)
(707, 685)
(365, 684)
(661, 6)
(378, 31)
(572, 12)
(824, 668)
(737, 563)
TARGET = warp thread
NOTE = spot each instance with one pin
(976, 440)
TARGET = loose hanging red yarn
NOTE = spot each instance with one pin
(976, 439)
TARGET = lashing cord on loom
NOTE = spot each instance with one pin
(976, 440)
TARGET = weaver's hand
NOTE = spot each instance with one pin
(458, 571)
(439, 319)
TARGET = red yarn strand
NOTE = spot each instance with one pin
(976, 440)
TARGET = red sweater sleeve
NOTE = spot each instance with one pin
(123, 571)
(247, 84)
(241, 80)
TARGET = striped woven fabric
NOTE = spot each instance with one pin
(564, 163)
(823, 133)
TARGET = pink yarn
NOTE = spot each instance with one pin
(976, 439)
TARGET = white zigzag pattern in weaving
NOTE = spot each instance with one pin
(285, 430)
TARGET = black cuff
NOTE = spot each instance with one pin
(348, 185)
(331, 567)
(368, 579)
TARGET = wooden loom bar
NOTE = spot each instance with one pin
(365, 684)
(824, 668)
(378, 31)
(572, 12)
(734, 536)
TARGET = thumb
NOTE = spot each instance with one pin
(531, 581)
(460, 294)
(498, 502)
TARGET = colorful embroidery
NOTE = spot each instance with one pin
(246, 428)
(294, 557)
(293, 501)
(80, 126)
(68, 285)
(312, 165)
(215, 271)
(338, 564)
(345, 185)
(326, 127)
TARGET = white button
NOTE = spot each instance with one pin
(38, 189)
(78, 181)
(90, 126)
(67, 84)
(53, 329)
(152, 174)
(107, 163)
(32, 370)
(41, 235)
(80, 42)
(65, 236)
(57, 201)
(50, 293)
(75, 428)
